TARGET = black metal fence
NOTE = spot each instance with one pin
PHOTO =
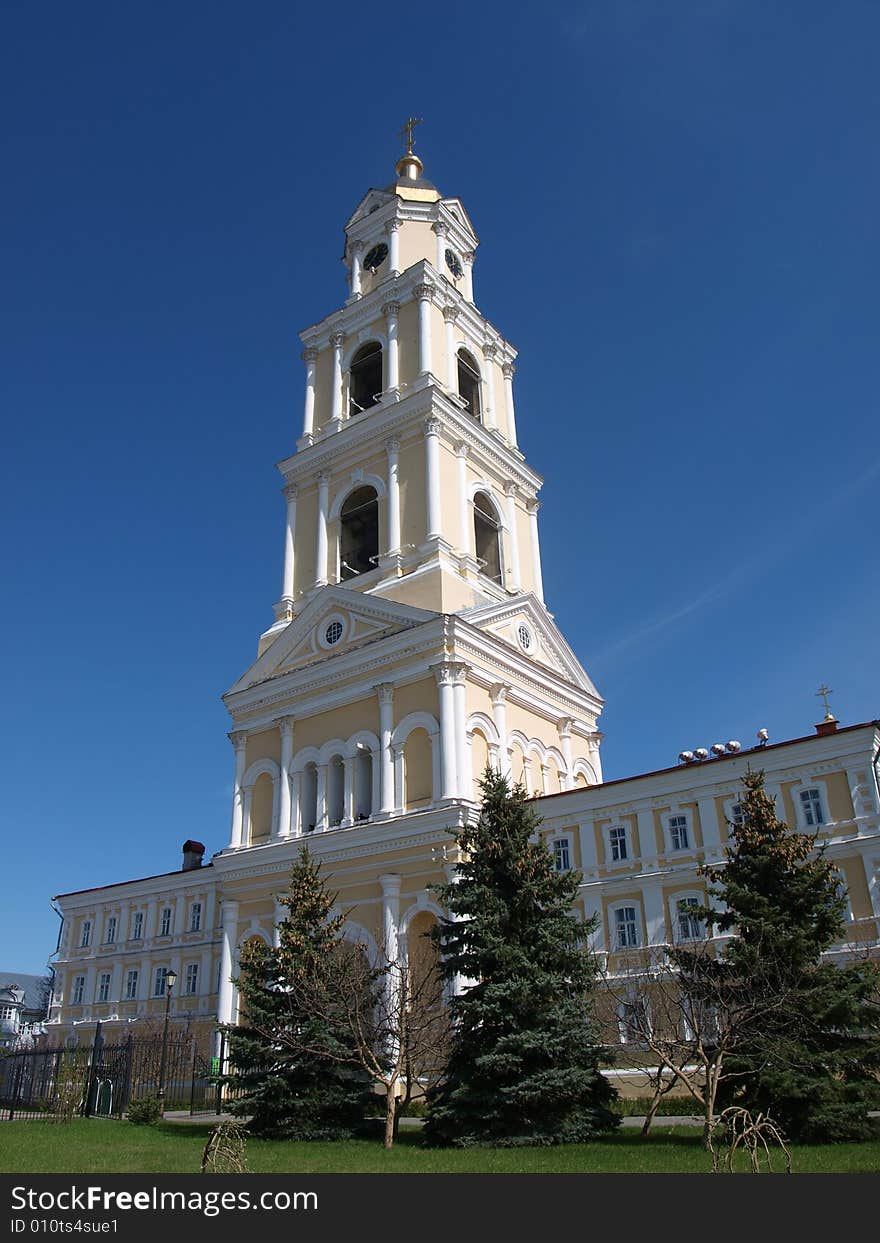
(101, 1080)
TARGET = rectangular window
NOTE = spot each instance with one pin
(678, 833)
(86, 934)
(633, 1022)
(159, 982)
(104, 986)
(627, 932)
(617, 838)
(111, 930)
(191, 979)
(811, 806)
(561, 854)
(137, 928)
(689, 926)
(131, 986)
(195, 917)
(738, 815)
(165, 922)
(79, 986)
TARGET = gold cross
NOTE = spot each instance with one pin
(822, 693)
(407, 132)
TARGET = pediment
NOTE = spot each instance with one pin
(371, 201)
(455, 207)
(335, 621)
(541, 640)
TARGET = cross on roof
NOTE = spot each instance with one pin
(822, 693)
(407, 132)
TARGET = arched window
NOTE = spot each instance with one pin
(309, 798)
(365, 378)
(363, 784)
(469, 383)
(261, 809)
(487, 537)
(335, 791)
(359, 533)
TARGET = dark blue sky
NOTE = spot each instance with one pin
(678, 212)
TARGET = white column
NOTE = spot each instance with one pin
(873, 881)
(285, 726)
(441, 231)
(246, 810)
(348, 770)
(206, 984)
(450, 315)
(391, 310)
(533, 506)
(512, 537)
(239, 741)
(150, 920)
(336, 391)
(309, 357)
(709, 823)
(432, 475)
(423, 293)
(321, 799)
(467, 262)
(208, 913)
(289, 545)
(587, 838)
(321, 544)
(397, 767)
(357, 253)
(464, 779)
(444, 673)
(295, 808)
(564, 730)
(392, 228)
(392, 448)
(498, 693)
(464, 530)
(593, 907)
(489, 352)
(279, 914)
(647, 837)
(179, 916)
(226, 996)
(655, 913)
(390, 916)
(385, 691)
(508, 369)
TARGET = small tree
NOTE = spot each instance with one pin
(291, 1090)
(524, 1064)
(815, 1067)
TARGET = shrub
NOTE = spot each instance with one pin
(146, 1112)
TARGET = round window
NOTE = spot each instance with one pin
(333, 633)
(524, 635)
(376, 257)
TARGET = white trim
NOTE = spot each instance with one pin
(362, 481)
(672, 902)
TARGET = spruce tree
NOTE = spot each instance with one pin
(292, 1095)
(815, 1067)
(524, 1065)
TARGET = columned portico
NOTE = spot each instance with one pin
(239, 742)
(284, 804)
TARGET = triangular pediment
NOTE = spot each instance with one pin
(372, 201)
(336, 620)
(455, 207)
(525, 625)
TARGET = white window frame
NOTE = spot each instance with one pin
(191, 978)
(686, 816)
(78, 990)
(112, 926)
(132, 979)
(559, 845)
(137, 926)
(159, 972)
(629, 905)
(843, 889)
(610, 861)
(85, 936)
(623, 1029)
(166, 922)
(689, 896)
(195, 917)
(807, 787)
(105, 979)
(729, 807)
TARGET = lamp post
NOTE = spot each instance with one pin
(170, 981)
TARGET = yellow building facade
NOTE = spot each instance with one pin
(411, 646)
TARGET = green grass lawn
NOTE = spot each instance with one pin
(88, 1146)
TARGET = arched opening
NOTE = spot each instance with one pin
(487, 537)
(423, 962)
(359, 533)
(309, 798)
(418, 770)
(580, 781)
(469, 383)
(365, 378)
(335, 791)
(262, 798)
(363, 784)
(479, 760)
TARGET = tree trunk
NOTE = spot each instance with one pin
(652, 1110)
(390, 1115)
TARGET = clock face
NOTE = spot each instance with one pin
(376, 257)
(453, 263)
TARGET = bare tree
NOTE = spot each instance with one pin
(680, 1015)
(393, 1014)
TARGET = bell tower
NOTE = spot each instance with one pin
(407, 482)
